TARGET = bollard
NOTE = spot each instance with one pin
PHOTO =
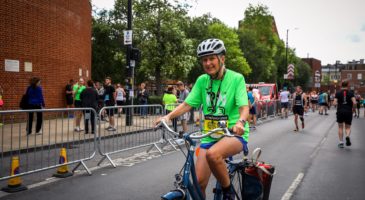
(62, 171)
(14, 184)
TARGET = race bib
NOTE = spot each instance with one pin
(211, 122)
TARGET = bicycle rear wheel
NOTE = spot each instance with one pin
(237, 183)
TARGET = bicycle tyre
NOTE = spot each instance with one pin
(237, 178)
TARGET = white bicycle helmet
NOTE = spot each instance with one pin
(211, 47)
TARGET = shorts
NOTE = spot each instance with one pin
(314, 101)
(120, 103)
(324, 104)
(243, 141)
(253, 110)
(109, 111)
(69, 100)
(78, 104)
(284, 104)
(298, 110)
(358, 105)
(344, 117)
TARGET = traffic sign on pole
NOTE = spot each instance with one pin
(128, 37)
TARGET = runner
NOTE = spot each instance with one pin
(300, 100)
(345, 101)
(284, 101)
(252, 103)
(314, 100)
(323, 103)
(358, 98)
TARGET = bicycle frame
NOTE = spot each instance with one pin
(185, 185)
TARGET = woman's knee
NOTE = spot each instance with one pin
(213, 156)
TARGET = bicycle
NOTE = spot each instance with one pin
(187, 187)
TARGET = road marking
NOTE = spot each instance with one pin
(315, 152)
(288, 194)
(47, 181)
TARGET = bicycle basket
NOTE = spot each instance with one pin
(257, 181)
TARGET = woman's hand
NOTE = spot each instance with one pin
(164, 118)
(239, 128)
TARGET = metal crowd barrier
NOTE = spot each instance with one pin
(41, 151)
(128, 127)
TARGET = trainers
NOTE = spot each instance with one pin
(348, 142)
(39, 132)
(77, 129)
(111, 128)
(340, 145)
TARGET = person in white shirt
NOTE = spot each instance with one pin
(120, 99)
(284, 100)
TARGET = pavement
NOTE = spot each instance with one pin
(309, 166)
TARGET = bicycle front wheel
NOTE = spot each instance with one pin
(237, 183)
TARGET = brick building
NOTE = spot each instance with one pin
(315, 65)
(47, 39)
(354, 73)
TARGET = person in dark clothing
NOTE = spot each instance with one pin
(109, 100)
(89, 99)
(69, 96)
(142, 96)
(35, 101)
(346, 102)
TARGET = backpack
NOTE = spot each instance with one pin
(24, 101)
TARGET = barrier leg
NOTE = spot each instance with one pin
(84, 165)
(110, 160)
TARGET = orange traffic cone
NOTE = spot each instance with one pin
(14, 184)
(62, 171)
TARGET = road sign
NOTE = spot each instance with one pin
(128, 37)
(290, 71)
(317, 85)
(285, 76)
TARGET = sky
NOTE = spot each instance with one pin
(327, 30)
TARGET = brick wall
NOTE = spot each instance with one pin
(55, 36)
(315, 66)
(354, 83)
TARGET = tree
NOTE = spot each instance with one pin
(257, 41)
(235, 59)
(158, 30)
(107, 57)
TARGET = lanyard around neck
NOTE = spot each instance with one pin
(212, 102)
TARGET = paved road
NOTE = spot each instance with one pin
(329, 172)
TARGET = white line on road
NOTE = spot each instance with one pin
(288, 194)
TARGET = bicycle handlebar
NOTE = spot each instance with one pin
(198, 134)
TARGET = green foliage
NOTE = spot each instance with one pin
(234, 55)
(168, 38)
(155, 100)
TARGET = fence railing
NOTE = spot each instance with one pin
(116, 129)
(39, 146)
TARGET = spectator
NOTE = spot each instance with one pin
(109, 100)
(120, 98)
(89, 99)
(169, 100)
(69, 96)
(100, 89)
(77, 89)
(142, 96)
(345, 101)
(191, 120)
(35, 102)
(182, 96)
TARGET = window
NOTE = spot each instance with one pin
(349, 76)
(359, 76)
